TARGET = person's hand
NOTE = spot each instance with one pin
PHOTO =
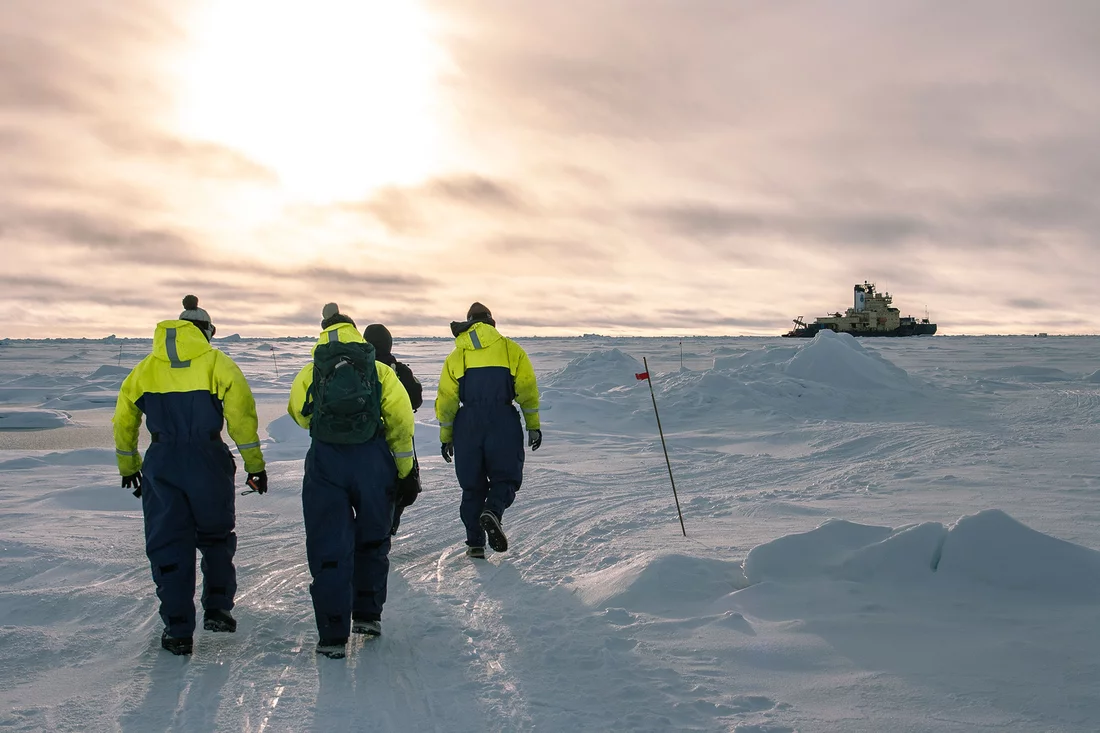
(448, 451)
(133, 481)
(257, 482)
(534, 439)
(408, 489)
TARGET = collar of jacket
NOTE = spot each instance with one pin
(475, 335)
(347, 333)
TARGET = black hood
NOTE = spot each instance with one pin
(460, 327)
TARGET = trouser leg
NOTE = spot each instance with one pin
(212, 500)
(329, 525)
(170, 547)
(374, 496)
(503, 460)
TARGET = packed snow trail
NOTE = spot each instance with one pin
(470, 645)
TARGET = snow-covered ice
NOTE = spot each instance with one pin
(898, 534)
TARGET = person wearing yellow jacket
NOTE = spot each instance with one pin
(185, 389)
(480, 428)
(360, 461)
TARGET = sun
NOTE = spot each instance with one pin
(336, 97)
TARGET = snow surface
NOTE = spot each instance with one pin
(882, 535)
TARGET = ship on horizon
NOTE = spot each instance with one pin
(872, 314)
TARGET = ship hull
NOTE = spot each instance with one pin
(918, 329)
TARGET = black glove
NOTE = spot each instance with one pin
(448, 450)
(408, 489)
(258, 482)
(534, 439)
(133, 481)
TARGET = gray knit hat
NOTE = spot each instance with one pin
(331, 315)
(193, 313)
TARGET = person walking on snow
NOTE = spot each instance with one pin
(185, 388)
(359, 463)
(481, 429)
(379, 337)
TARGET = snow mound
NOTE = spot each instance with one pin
(757, 357)
(831, 376)
(78, 458)
(88, 400)
(1026, 373)
(662, 585)
(910, 553)
(37, 381)
(108, 371)
(811, 554)
(838, 359)
(989, 549)
(1094, 377)
(230, 339)
(33, 419)
(600, 370)
(994, 549)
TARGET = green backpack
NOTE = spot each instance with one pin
(347, 396)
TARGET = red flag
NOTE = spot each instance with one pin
(641, 375)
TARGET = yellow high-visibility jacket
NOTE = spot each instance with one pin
(482, 347)
(397, 414)
(184, 388)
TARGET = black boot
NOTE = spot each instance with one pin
(333, 648)
(493, 531)
(217, 619)
(372, 627)
(177, 645)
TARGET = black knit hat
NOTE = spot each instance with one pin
(479, 312)
(379, 337)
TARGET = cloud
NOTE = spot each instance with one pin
(413, 209)
(1034, 304)
(625, 166)
(715, 221)
(104, 234)
(476, 191)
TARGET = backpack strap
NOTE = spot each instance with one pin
(307, 408)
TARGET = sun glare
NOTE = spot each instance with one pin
(337, 97)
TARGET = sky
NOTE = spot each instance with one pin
(625, 167)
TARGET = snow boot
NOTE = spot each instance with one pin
(491, 524)
(179, 646)
(332, 648)
(217, 619)
(370, 627)
(477, 553)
